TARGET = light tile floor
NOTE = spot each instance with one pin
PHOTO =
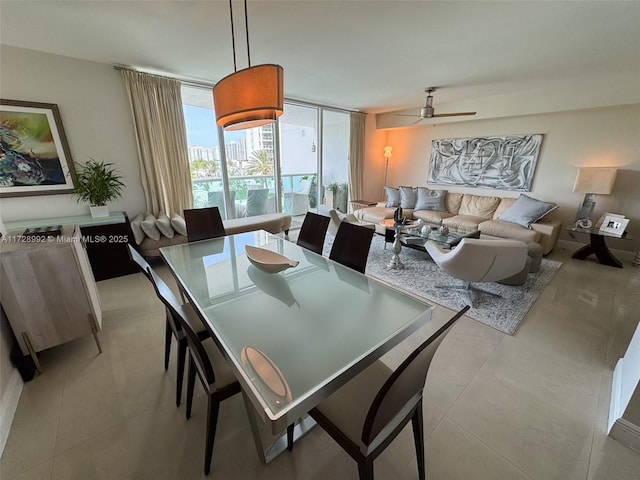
(529, 406)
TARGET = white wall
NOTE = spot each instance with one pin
(598, 137)
(97, 121)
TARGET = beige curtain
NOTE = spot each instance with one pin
(356, 155)
(156, 105)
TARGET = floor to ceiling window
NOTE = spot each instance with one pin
(240, 177)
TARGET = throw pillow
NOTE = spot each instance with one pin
(164, 225)
(527, 210)
(393, 197)
(149, 227)
(136, 228)
(431, 200)
(408, 196)
(178, 224)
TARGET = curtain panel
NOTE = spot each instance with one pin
(158, 117)
(356, 154)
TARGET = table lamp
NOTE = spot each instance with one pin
(592, 182)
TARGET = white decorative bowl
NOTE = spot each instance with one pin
(268, 261)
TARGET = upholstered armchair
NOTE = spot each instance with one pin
(297, 203)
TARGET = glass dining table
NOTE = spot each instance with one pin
(292, 338)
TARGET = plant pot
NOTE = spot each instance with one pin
(99, 211)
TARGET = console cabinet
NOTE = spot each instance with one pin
(48, 291)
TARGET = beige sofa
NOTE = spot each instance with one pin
(474, 211)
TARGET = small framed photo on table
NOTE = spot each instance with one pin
(614, 225)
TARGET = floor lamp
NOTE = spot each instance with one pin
(592, 182)
(387, 156)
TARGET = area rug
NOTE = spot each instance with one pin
(421, 275)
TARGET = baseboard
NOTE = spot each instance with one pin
(9, 406)
(623, 255)
(626, 433)
(616, 393)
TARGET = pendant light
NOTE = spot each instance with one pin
(251, 97)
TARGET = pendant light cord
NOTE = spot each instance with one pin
(246, 26)
(233, 37)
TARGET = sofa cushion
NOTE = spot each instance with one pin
(478, 206)
(527, 210)
(151, 248)
(178, 224)
(431, 216)
(136, 228)
(453, 201)
(271, 222)
(463, 222)
(149, 227)
(501, 229)
(375, 214)
(393, 197)
(408, 196)
(164, 225)
(428, 199)
(505, 204)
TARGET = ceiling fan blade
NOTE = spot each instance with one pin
(417, 121)
(405, 115)
(460, 114)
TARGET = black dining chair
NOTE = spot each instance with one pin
(203, 223)
(312, 233)
(368, 413)
(173, 328)
(351, 246)
(205, 360)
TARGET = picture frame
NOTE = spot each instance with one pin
(614, 225)
(34, 152)
(604, 215)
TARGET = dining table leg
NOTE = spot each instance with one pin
(275, 444)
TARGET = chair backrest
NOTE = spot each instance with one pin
(203, 223)
(335, 221)
(404, 387)
(479, 260)
(257, 201)
(351, 246)
(305, 187)
(217, 199)
(139, 259)
(176, 310)
(312, 233)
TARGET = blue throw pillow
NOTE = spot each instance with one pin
(408, 196)
(527, 210)
(393, 197)
(431, 200)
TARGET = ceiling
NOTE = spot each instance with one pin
(376, 56)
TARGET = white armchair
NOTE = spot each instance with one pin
(477, 260)
(297, 203)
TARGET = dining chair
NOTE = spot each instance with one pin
(351, 246)
(203, 223)
(205, 360)
(312, 233)
(173, 328)
(393, 398)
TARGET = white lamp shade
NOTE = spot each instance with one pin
(598, 180)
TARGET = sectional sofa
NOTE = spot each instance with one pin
(474, 211)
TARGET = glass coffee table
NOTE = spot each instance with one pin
(411, 236)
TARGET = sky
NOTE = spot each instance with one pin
(202, 129)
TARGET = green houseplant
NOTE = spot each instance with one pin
(98, 183)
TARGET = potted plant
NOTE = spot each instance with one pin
(98, 183)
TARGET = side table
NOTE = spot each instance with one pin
(362, 204)
(597, 246)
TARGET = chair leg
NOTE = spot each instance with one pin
(290, 436)
(182, 353)
(213, 406)
(365, 469)
(418, 438)
(167, 345)
(191, 383)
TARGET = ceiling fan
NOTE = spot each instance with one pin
(429, 112)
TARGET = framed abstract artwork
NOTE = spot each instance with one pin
(34, 153)
(504, 163)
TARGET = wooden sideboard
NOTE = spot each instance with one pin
(105, 238)
(48, 291)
